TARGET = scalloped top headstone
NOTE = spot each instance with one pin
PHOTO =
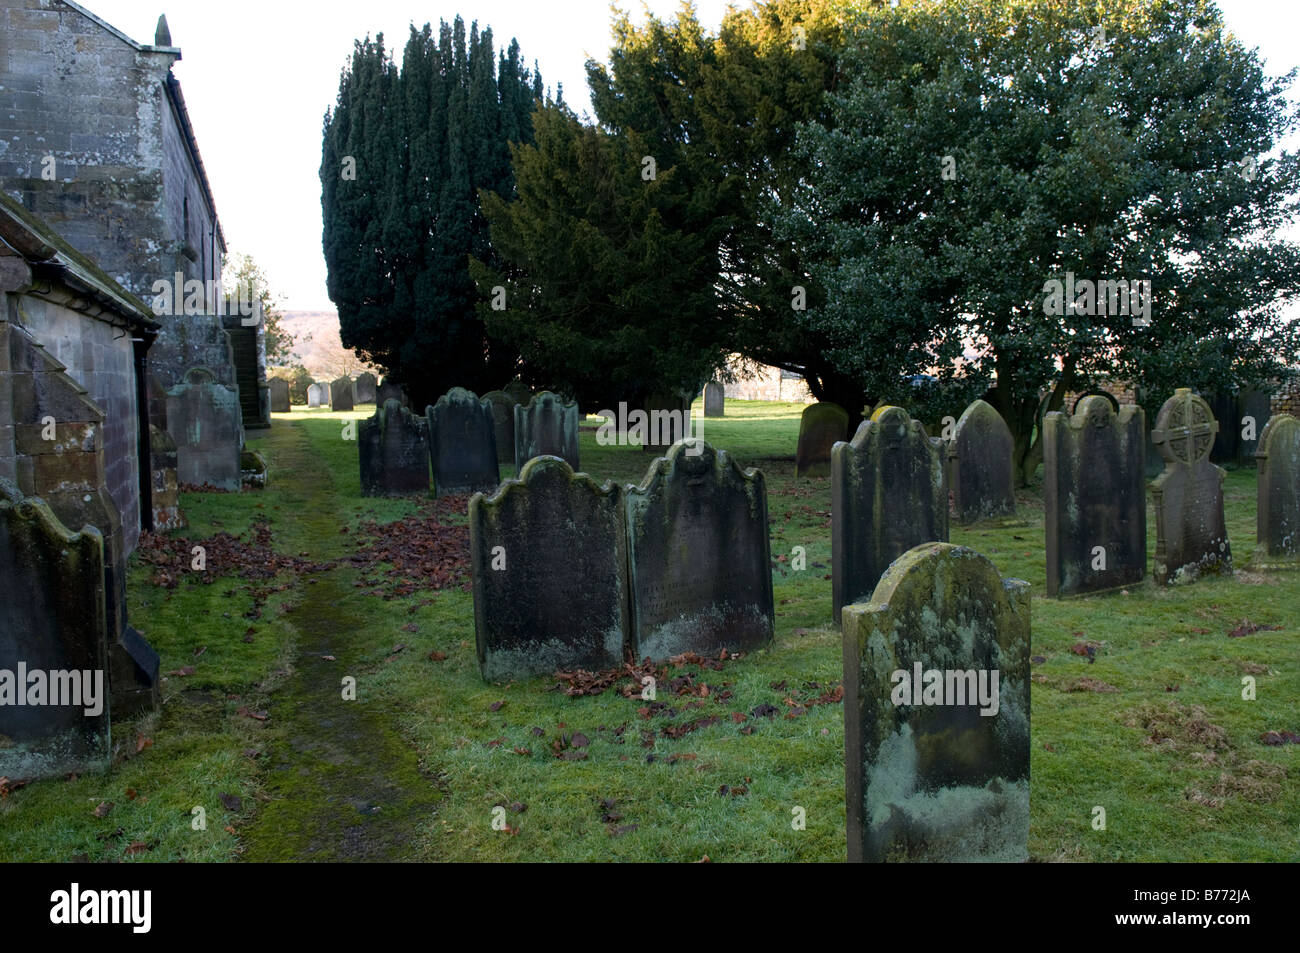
(715, 399)
(341, 394)
(1094, 495)
(393, 447)
(549, 557)
(936, 712)
(981, 472)
(547, 426)
(820, 427)
(520, 391)
(1278, 491)
(699, 555)
(889, 492)
(1191, 536)
(53, 638)
(367, 389)
(462, 444)
(503, 419)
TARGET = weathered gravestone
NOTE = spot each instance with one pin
(1277, 514)
(667, 420)
(715, 399)
(503, 420)
(394, 449)
(936, 712)
(1094, 493)
(549, 559)
(700, 571)
(981, 471)
(54, 706)
(391, 390)
(888, 494)
(341, 396)
(1254, 407)
(367, 390)
(820, 428)
(462, 444)
(1191, 538)
(166, 498)
(318, 395)
(279, 396)
(205, 421)
(520, 391)
(547, 426)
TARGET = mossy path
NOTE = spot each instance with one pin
(342, 784)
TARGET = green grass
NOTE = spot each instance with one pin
(1206, 789)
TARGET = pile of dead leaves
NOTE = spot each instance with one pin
(223, 555)
(421, 552)
(631, 679)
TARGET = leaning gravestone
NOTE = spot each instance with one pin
(394, 450)
(279, 396)
(462, 444)
(1277, 515)
(1094, 494)
(546, 427)
(820, 428)
(888, 494)
(1191, 538)
(936, 712)
(981, 471)
(367, 391)
(700, 572)
(59, 629)
(549, 559)
(715, 399)
(318, 395)
(503, 420)
(341, 397)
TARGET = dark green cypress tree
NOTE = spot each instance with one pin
(398, 237)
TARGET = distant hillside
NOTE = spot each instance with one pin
(317, 344)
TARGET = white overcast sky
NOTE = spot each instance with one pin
(258, 76)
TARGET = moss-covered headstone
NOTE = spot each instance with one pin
(1277, 517)
(936, 712)
(821, 427)
(549, 556)
(342, 396)
(394, 450)
(1094, 494)
(980, 468)
(462, 444)
(279, 388)
(546, 426)
(888, 494)
(54, 683)
(700, 558)
(1191, 536)
(503, 419)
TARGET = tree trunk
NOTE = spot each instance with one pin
(1022, 418)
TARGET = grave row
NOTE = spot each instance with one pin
(460, 439)
(571, 574)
